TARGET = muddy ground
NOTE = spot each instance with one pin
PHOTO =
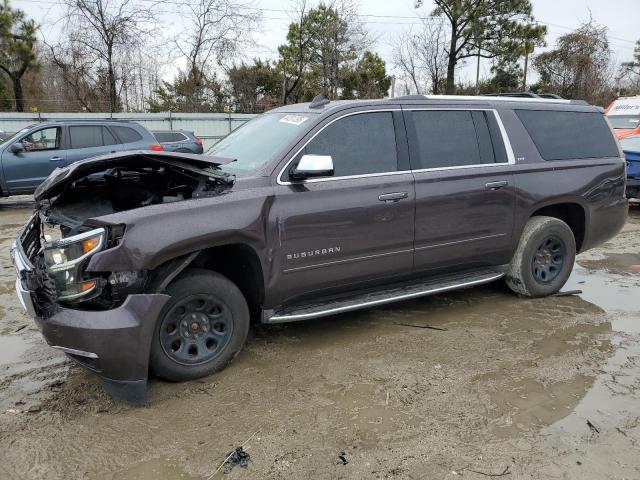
(545, 388)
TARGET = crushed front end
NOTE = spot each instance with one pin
(66, 304)
(102, 318)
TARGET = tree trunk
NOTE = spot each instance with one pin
(111, 80)
(17, 93)
(451, 64)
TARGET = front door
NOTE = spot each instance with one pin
(356, 226)
(40, 154)
(465, 198)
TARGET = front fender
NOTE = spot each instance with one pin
(159, 233)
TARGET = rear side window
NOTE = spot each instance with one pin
(127, 134)
(569, 135)
(109, 139)
(168, 137)
(453, 138)
(358, 144)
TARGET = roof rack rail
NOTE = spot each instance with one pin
(512, 94)
(492, 98)
(84, 120)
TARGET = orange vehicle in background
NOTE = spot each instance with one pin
(624, 116)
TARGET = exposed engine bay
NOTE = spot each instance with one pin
(61, 239)
(120, 189)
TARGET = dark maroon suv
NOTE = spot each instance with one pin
(147, 260)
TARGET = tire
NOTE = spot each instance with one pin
(201, 329)
(544, 258)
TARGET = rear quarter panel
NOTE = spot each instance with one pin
(596, 185)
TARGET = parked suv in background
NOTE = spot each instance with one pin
(29, 156)
(182, 141)
(311, 210)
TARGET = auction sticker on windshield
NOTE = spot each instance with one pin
(293, 119)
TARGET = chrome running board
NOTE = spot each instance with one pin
(381, 297)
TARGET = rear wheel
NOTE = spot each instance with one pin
(544, 258)
(201, 329)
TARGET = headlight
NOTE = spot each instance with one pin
(66, 259)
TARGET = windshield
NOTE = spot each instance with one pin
(257, 141)
(15, 135)
(631, 144)
(624, 121)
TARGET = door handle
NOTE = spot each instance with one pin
(496, 185)
(393, 197)
(56, 159)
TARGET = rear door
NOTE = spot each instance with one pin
(42, 153)
(355, 226)
(87, 141)
(465, 200)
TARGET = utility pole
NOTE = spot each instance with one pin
(527, 48)
(478, 73)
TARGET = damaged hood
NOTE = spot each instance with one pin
(200, 164)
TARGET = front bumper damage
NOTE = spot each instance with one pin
(115, 343)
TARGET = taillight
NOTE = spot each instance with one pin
(156, 148)
(198, 140)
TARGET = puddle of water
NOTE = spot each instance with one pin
(610, 292)
(156, 469)
(11, 349)
(614, 262)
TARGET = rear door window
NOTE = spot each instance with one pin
(90, 136)
(569, 135)
(359, 144)
(86, 136)
(453, 138)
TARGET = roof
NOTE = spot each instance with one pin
(440, 100)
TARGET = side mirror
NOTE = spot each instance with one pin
(313, 166)
(17, 147)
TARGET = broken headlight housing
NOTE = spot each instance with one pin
(66, 259)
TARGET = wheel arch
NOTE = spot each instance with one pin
(573, 214)
(237, 261)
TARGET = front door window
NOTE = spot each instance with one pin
(45, 139)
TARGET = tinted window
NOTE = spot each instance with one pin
(126, 134)
(358, 144)
(86, 136)
(567, 135)
(45, 139)
(108, 137)
(451, 138)
(168, 137)
(164, 137)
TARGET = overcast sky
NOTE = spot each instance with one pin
(621, 17)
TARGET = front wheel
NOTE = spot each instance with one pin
(544, 258)
(201, 329)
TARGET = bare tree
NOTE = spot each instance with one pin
(580, 65)
(104, 32)
(217, 31)
(422, 56)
